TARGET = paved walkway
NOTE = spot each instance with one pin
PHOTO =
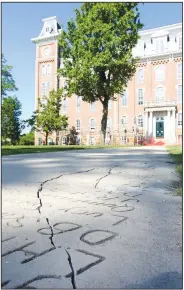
(91, 219)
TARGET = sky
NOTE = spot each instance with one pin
(22, 21)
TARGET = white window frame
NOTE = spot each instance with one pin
(64, 140)
(93, 107)
(48, 88)
(43, 70)
(179, 73)
(109, 126)
(43, 101)
(78, 125)
(156, 91)
(140, 121)
(140, 101)
(160, 73)
(90, 140)
(124, 98)
(43, 89)
(110, 105)
(124, 124)
(64, 107)
(124, 140)
(78, 103)
(92, 128)
(160, 47)
(49, 69)
(179, 122)
(179, 97)
(140, 77)
(179, 41)
(40, 141)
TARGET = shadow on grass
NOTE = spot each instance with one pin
(13, 150)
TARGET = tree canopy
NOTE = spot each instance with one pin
(48, 117)
(11, 124)
(97, 51)
(8, 83)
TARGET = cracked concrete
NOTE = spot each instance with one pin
(91, 219)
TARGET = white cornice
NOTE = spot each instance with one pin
(37, 39)
(168, 27)
(160, 56)
(49, 18)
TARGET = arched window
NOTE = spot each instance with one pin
(179, 94)
(124, 121)
(124, 98)
(78, 125)
(43, 70)
(160, 73)
(49, 69)
(43, 91)
(160, 95)
(179, 119)
(180, 71)
(140, 121)
(92, 124)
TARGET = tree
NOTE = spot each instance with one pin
(48, 118)
(27, 139)
(97, 52)
(72, 136)
(8, 83)
(11, 124)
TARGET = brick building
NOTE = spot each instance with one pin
(151, 105)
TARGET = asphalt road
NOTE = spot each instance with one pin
(91, 219)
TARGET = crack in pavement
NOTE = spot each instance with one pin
(42, 184)
(72, 269)
(47, 220)
(52, 234)
(108, 173)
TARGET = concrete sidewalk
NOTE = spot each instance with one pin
(102, 218)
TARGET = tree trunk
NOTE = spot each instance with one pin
(104, 120)
(46, 138)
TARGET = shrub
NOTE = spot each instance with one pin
(27, 139)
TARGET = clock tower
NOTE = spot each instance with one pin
(46, 64)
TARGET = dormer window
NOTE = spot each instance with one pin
(179, 42)
(159, 45)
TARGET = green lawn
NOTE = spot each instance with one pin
(177, 157)
(12, 150)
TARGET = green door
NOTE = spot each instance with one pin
(160, 128)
